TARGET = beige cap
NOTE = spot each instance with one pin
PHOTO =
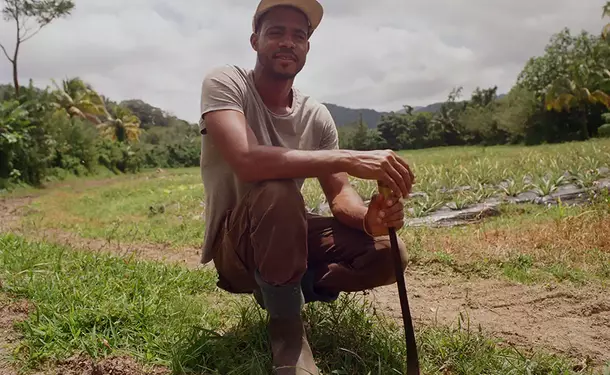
(312, 9)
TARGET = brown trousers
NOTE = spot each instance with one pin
(271, 231)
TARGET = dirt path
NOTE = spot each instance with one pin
(10, 312)
(573, 321)
(11, 210)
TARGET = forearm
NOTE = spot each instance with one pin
(349, 208)
(345, 203)
(269, 162)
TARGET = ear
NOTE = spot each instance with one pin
(254, 41)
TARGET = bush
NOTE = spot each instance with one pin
(25, 148)
(119, 157)
(74, 144)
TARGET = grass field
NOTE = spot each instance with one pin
(99, 303)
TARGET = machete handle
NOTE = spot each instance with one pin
(384, 189)
(411, 346)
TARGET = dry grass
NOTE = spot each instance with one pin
(577, 241)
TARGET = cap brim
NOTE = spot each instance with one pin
(312, 9)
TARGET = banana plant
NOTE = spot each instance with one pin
(574, 92)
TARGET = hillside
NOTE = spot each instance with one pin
(345, 116)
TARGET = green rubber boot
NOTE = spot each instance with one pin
(289, 345)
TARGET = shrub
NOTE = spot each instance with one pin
(25, 148)
(604, 131)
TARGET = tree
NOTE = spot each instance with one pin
(446, 120)
(576, 92)
(120, 125)
(79, 99)
(42, 12)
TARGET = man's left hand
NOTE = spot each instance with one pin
(383, 214)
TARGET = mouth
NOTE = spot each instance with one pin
(285, 57)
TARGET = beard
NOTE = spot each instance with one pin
(273, 70)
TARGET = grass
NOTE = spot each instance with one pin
(528, 244)
(94, 303)
(160, 208)
(565, 243)
(166, 208)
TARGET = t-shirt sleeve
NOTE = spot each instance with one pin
(329, 138)
(220, 91)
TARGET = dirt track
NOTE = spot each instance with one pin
(574, 321)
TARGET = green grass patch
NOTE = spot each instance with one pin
(163, 208)
(101, 305)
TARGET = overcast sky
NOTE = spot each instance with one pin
(375, 54)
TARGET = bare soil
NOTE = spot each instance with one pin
(122, 365)
(10, 312)
(559, 318)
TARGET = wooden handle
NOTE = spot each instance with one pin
(384, 189)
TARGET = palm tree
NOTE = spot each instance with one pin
(573, 91)
(79, 99)
(120, 125)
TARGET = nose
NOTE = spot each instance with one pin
(287, 42)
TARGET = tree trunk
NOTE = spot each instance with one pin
(15, 76)
(584, 128)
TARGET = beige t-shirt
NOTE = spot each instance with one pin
(309, 126)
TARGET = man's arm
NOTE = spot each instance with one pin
(345, 203)
(253, 162)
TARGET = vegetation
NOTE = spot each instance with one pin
(100, 305)
(73, 130)
(559, 96)
(165, 208)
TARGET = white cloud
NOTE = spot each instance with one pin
(377, 54)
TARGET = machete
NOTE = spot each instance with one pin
(412, 357)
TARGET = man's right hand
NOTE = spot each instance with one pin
(382, 165)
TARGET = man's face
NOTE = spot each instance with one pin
(282, 42)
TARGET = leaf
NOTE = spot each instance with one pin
(602, 97)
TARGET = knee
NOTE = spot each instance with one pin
(386, 254)
(277, 191)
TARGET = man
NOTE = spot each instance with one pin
(262, 138)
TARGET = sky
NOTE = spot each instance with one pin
(380, 54)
